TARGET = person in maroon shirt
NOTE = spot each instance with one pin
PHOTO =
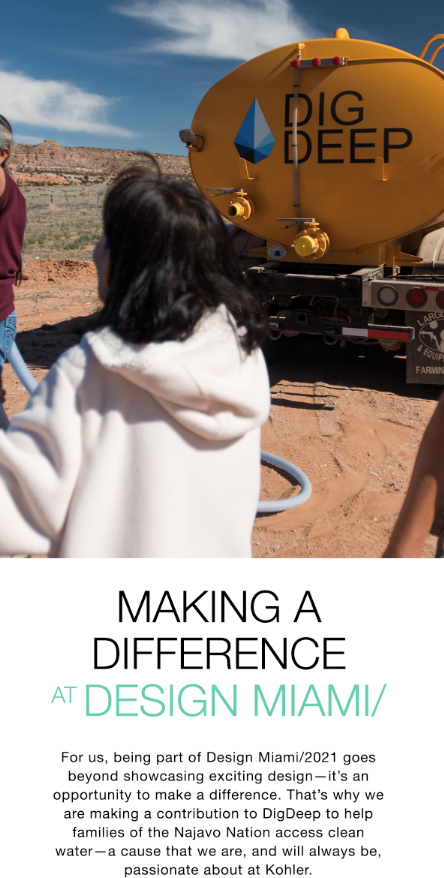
(12, 231)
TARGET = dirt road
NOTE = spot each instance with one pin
(345, 417)
(349, 421)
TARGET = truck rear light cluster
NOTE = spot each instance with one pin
(416, 298)
(420, 297)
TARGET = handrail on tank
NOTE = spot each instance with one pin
(438, 49)
(429, 43)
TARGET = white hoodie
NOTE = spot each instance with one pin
(129, 450)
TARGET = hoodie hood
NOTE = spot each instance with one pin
(207, 383)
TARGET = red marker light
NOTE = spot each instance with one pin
(440, 300)
(337, 61)
(316, 62)
(416, 298)
(295, 63)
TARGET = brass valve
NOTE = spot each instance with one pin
(241, 208)
(311, 242)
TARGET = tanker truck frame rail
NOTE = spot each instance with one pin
(358, 306)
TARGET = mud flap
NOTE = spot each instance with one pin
(425, 354)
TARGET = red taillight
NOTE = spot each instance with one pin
(440, 300)
(295, 63)
(337, 60)
(416, 298)
(316, 62)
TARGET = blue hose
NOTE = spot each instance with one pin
(290, 502)
(23, 374)
(4, 420)
(21, 370)
(29, 383)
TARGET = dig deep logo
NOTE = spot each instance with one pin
(345, 109)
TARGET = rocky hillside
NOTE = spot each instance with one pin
(49, 162)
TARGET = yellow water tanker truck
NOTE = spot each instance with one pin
(327, 157)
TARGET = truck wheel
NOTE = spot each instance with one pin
(390, 344)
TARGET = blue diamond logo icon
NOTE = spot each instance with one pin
(254, 140)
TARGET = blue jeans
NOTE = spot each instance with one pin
(8, 329)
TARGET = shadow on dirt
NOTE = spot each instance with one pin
(308, 359)
(41, 347)
(303, 359)
(291, 404)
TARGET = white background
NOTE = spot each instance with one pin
(391, 616)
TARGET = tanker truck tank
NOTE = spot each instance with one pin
(328, 158)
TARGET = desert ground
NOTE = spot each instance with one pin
(343, 416)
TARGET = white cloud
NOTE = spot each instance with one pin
(26, 138)
(225, 29)
(52, 104)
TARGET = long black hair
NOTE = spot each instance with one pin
(171, 261)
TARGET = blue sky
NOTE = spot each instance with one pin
(130, 74)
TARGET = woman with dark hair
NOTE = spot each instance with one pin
(12, 231)
(144, 440)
